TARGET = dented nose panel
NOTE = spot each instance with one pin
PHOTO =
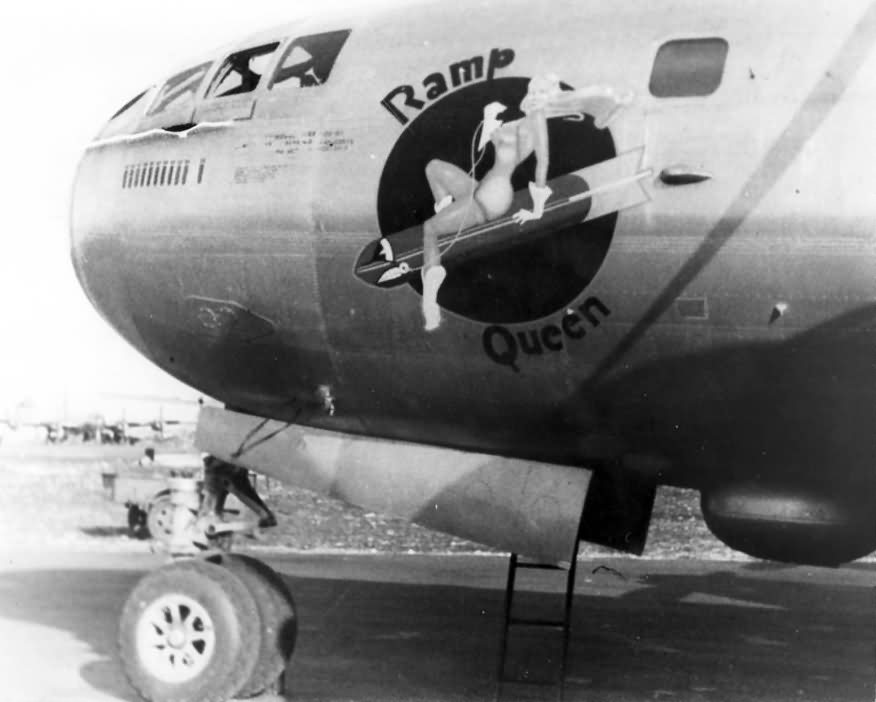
(212, 284)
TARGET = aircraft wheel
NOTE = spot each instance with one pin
(159, 519)
(189, 632)
(279, 622)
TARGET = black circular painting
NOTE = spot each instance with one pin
(534, 277)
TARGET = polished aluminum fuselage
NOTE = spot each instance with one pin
(737, 329)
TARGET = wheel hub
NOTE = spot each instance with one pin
(175, 638)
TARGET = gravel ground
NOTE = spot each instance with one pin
(55, 497)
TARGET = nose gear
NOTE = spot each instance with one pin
(199, 521)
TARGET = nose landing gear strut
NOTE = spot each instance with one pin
(199, 521)
(209, 625)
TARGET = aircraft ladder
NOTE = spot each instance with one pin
(512, 622)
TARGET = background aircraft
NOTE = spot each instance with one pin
(99, 417)
(656, 270)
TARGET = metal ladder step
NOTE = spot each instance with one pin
(545, 623)
(539, 566)
(563, 626)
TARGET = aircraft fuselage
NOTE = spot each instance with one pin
(709, 310)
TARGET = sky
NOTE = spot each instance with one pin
(68, 67)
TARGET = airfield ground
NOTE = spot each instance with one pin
(55, 496)
(394, 628)
(684, 624)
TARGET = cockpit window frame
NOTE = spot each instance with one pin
(162, 102)
(336, 40)
(128, 105)
(227, 65)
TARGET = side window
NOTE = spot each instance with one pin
(308, 61)
(688, 67)
(180, 89)
(241, 72)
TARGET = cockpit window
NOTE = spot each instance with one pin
(242, 71)
(179, 91)
(308, 61)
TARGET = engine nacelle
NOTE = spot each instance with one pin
(789, 526)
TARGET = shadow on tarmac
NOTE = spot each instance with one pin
(105, 532)
(682, 630)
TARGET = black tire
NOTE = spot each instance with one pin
(221, 632)
(279, 621)
(159, 518)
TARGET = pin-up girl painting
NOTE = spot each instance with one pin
(461, 201)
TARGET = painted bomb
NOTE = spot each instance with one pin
(505, 347)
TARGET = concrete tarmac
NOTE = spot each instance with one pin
(379, 627)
